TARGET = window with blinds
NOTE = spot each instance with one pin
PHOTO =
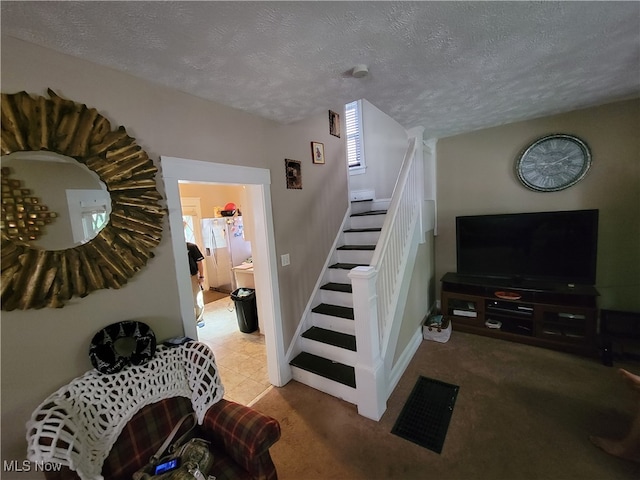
(353, 126)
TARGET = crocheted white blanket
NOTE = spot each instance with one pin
(77, 425)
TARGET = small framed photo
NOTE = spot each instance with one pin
(334, 124)
(293, 171)
(317, 152)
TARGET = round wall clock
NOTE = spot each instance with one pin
(553, 163)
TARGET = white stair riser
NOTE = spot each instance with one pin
(337, 275)
(336, 298)
(380, 204)
(355, 256)
(333, 353)
(367, 221)
(325, 385)
(337, 324)
(361, 238)
(361, 207)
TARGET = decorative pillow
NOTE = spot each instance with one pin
(121, 344)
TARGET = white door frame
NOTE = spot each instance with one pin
(258, 182)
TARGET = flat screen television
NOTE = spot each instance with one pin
(553, 247)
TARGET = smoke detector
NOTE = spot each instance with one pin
(360, 71)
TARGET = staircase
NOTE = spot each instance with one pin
(349, 334)
(328, 344)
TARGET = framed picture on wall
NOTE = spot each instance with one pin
(293, 171)
(317, 152)
(334, 124)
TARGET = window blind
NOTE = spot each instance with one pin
(354, 141)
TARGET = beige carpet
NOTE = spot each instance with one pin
(522, 412)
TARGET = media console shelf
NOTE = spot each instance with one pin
(560, 317)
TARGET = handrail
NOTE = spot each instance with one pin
(395, 237)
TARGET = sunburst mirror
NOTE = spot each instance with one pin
(112, 209)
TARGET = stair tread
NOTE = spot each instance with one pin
(348, 266)
(357, 247)
(370, 212)
(359, 230)
(324, 367)
(337, 287)
(331, 337)
(334, 311)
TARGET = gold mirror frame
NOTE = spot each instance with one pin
(35, 278)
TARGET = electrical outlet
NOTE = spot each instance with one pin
(285, 259)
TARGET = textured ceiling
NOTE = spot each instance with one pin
(450, 67)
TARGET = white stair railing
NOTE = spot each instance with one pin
(388, 258)
(376, 287)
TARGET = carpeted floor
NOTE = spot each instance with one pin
(521, 412)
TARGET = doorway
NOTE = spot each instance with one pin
(227, 249)
(257, 182)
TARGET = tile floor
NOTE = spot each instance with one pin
(241, 357)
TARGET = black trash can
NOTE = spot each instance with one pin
(244, 300)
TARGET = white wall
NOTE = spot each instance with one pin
(385, 143)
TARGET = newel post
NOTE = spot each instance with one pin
(371, 387)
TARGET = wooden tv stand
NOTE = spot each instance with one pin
(560, 317)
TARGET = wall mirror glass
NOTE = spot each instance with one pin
(106, 197)
(63, 204)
